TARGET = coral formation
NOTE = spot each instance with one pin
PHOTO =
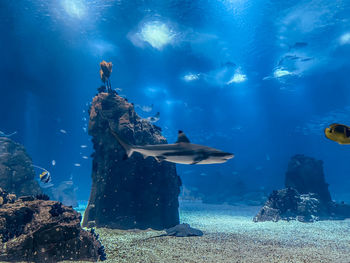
(132, 193)
(16, 169)
(105, 74)
(305, 174)
(306, 197)
(288, 204)
(35, 230)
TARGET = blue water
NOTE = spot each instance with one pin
(230, 73)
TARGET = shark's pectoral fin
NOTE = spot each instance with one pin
(200, 157)
(159, 158)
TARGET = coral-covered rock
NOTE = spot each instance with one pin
(16, 170)
(133, 193)
(288, 204)
(305, 174)
(5, 197)
(35, 230)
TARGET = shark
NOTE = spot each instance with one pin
(181, 152)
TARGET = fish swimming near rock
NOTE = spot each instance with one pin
(182, 152)
(339, 133)
(45, 176)
(154, 119)
(2, 134)
(145, 108)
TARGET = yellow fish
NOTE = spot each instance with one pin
(339, 133)
(45, 177)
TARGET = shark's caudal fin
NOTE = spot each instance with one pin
(127, 147)
(9, 135)
(182, 137)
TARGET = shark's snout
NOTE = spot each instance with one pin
(229, 156)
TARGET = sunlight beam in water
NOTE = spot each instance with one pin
(278, 73)
(191, 77)
(74, 8)
(157, 34)
(345, 39)
(237, 78)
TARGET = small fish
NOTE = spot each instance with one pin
(306, 59)
(45, 177)
(298, 45)
(83, 146)
(154, 119)
(229, 64)
(85, 157)
(53, 162)
(63, 131)
(77, 164)
(145, 108)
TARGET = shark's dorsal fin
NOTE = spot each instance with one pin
(182, 137)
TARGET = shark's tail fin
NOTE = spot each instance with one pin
(127, 147)
(9, 135)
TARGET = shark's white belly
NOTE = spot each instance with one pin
(180, 159)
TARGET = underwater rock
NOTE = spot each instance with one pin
(183, 230)
(16, 170)
(6, 198)
(305, 174)
(44, 231)
(65, 192)
(288, 204)
(133, 193)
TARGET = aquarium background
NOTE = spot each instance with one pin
(260, 79)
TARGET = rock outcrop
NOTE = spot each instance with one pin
(306, 197)
(288, 204)
(16, 170)
(305, 174)
(37, 230)
(133, 193)
(65, 193)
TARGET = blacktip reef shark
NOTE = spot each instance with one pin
(182, 151)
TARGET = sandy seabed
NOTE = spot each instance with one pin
(230, 235)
